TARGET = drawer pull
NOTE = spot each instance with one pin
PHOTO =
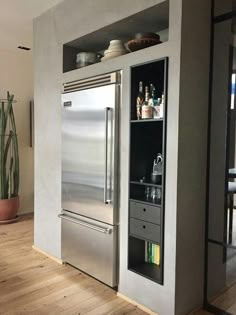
(144, 226)
(90, 226)
(144, 209)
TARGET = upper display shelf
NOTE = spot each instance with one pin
(90, 48)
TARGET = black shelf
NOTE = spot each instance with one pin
(140, 199)
(146, 202)
(145, 184)
(145, 144)
(147, 140)
(146, 120)
(144, 239)
(148, 270)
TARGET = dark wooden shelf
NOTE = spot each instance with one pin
(145, 184)
(146, 120)
(148, 270)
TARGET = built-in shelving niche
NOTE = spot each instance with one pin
(154, 19)
(146, 199)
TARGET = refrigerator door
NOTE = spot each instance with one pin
(89, 145)
(90, 246)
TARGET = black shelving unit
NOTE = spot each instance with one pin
(146, 215)
(146, 120)
(149, 184)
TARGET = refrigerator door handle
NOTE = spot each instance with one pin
(107, 110)
(90, 226)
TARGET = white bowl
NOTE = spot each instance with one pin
(112, 54)
(115, 52)
(116, 45)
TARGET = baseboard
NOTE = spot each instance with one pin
(141, 307)
(25, 212)
(59, 261)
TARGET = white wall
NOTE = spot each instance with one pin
(16, 76)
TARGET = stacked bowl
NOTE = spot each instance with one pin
(143, 40)
(115, 49)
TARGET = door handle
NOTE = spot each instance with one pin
(90, 226)
(106, 200)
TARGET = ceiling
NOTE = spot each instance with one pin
(16, 18)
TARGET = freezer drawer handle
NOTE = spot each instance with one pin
(90, 226)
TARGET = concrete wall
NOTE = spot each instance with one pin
(47, 70)
(16, 70)
(68, 21)
(61, 24)
(192, 153)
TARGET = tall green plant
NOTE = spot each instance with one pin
(9, 155)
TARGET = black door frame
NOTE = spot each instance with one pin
(218, 19)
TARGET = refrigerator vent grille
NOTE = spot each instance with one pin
(73, 86)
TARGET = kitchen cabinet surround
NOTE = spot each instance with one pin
(73, 26)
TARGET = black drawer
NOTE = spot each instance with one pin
(145, 212)
(145, 230)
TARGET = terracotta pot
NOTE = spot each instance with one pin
(9, 208)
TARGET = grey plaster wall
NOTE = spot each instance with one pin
(160, 299)
(192, 153)
(68, 21)
(47, 74)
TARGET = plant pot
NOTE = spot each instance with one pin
(9, 208)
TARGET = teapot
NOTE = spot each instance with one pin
(156, 175)
(87, 58)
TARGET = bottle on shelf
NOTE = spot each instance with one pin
(139, 101)
(154, 101)
(151, 99)
(147, 110)
(162, 105)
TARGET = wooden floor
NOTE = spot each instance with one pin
(31, 283)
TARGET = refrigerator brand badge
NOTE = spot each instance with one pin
(66, 104)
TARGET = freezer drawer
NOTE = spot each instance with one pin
(90, 246)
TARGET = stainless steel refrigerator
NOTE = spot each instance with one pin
(90, 146)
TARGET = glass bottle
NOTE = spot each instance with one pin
(147, 95)
(147, 109)
(152, 89)
(154, 96)
(162, 105)
(139, 100)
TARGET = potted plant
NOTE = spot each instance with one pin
(9, 162)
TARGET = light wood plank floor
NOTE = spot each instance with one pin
(31, 283)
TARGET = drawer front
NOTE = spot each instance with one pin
(145, 230)
(88, 248)
(145, 212)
